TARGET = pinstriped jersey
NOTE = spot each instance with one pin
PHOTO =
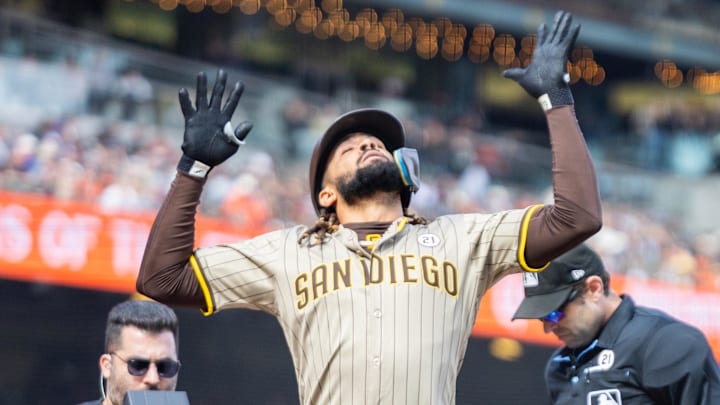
(385, 325)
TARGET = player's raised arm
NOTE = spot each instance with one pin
(209, 139)
(576, 213)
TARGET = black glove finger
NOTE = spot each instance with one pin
(564, 28)
(569, 41)
(201, 92)
(242, 130)
(514, 73)
(542, 35)
(218, 90)
(185, 103)
(233, 100)
(557, 26)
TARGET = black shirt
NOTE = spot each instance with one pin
(641, 356)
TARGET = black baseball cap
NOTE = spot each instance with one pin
(547, 290)
(378, 123)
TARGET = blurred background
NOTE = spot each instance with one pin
(90, 133)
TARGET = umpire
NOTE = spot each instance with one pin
(615, 351)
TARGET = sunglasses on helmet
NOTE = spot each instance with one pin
(166, 368)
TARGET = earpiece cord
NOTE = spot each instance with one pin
(102, 386)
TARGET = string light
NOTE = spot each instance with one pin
(375, 36)
(249, 7)
(504, 49)
(402, 37)
(275, 6)
(350, 32)
(426, 45)
(286, 17)
(440, 35)
(168, 5)
(222, 6)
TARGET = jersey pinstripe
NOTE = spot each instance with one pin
(387, 326)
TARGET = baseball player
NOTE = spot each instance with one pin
(376, 304)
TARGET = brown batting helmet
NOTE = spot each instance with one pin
(378, 123)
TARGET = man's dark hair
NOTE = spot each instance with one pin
(149, 316)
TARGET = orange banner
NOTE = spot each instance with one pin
(698, 308)
(77, 245)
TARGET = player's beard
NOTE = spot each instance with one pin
(381, 177)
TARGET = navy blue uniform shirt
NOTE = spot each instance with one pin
(641, 356)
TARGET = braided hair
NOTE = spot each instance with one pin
(328, 223)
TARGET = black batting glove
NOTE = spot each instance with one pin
(546, 77)
(209, 137)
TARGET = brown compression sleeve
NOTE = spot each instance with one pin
(576, 213)
(165, 274)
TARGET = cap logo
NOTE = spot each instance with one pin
(530, 279)
(577, 274)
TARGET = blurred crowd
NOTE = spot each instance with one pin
(89, 131)
(702, 15)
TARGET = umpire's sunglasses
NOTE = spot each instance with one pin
(557, 315)
(166, 368)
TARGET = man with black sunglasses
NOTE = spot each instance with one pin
(141, 351)
(615, 352)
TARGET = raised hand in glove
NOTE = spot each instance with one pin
(546, 78)
(209, 137)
